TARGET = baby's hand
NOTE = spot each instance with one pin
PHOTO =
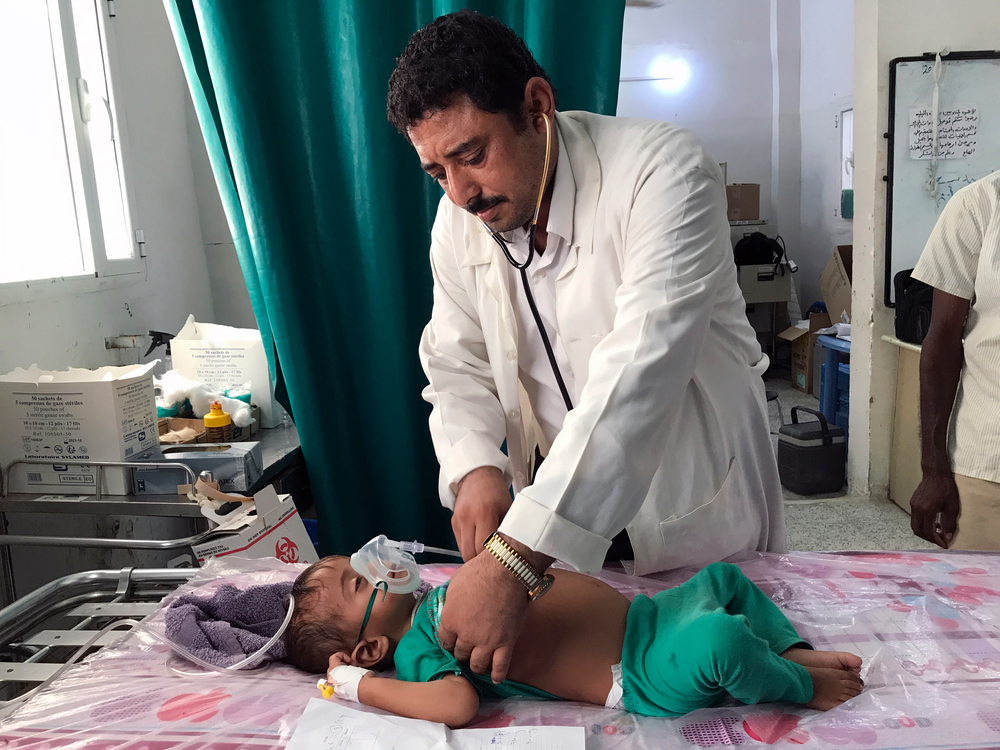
(341, 657)
(345, 677)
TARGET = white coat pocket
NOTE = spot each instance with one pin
(711, 532)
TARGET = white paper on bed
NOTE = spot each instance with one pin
(331, 726)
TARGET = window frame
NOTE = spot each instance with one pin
(97, 266)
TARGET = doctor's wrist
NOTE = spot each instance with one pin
(540, 562)
(479, 474)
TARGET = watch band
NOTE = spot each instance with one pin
(516, 564)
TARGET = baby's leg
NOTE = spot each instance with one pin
(723, 652)
(738, 595)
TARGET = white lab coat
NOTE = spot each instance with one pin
(669, 436)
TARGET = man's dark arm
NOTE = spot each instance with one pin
(941, 361)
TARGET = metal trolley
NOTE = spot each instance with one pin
(41, 630)
(120, 530)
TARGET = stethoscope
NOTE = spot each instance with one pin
(523, 268)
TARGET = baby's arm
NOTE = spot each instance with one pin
(450, 700)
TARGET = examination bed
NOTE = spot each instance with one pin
(926, 624)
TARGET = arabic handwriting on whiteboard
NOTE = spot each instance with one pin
(948, 185)
(957, 136)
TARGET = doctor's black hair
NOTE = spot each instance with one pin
(312, 637)
(461, 53)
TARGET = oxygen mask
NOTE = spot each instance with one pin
(384, 564)
(387, 567)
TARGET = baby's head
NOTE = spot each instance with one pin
(330, 603)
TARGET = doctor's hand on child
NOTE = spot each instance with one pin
(484, 612)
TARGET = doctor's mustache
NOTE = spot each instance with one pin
(479, 203)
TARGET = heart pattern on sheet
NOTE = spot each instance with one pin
(772, 726)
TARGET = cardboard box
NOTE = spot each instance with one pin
(743, 200)
(235, 466)
(168, 424)
(221, 356)
(107, 414)
(176, 424)
(803, 342)
(275, 531)
(835, 282)
(762, 284)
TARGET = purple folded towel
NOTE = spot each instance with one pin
(231, 624)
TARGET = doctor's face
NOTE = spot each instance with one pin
(484, 165)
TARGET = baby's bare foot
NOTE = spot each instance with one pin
(829, 659)
(831, 687)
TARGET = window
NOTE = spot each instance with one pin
(847, 164)
(63, 197)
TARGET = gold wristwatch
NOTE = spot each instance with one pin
(536, 584)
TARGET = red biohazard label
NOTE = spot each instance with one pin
(286, 551)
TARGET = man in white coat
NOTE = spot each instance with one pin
(644, 395)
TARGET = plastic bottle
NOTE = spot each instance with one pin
(218, 425)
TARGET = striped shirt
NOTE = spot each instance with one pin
(962, 258)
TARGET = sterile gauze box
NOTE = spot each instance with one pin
(221, 356)
(107, 414)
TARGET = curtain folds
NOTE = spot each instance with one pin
(331, 217)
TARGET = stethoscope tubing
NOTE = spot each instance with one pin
(523, 268)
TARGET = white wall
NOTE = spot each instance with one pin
(826, 89)
(885, 29)
(229, 289)
(764, 72)
(67, 326)
(728, 98)
(786, 150)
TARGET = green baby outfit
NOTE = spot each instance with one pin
(685, 648)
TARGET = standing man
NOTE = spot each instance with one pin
(622, 352)
(957, 503)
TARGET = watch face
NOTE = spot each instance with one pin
(544, 585)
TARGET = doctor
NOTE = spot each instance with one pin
(641, 386)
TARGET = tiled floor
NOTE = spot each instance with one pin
(838, 522)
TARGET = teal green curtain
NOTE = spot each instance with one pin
(331, 218)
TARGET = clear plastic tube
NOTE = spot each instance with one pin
(417, 547)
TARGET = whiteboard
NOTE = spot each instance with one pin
(968, 145)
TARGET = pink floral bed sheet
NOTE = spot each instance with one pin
(926, 625)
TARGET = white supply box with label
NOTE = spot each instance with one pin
(275, 531)
(107, 414)
(221, 356)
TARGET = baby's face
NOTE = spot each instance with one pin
(346, 593)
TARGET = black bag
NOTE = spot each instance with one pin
(758, 249)
(913, 307)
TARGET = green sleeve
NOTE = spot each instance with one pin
(419, 657)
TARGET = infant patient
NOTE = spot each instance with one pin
(683, 649)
